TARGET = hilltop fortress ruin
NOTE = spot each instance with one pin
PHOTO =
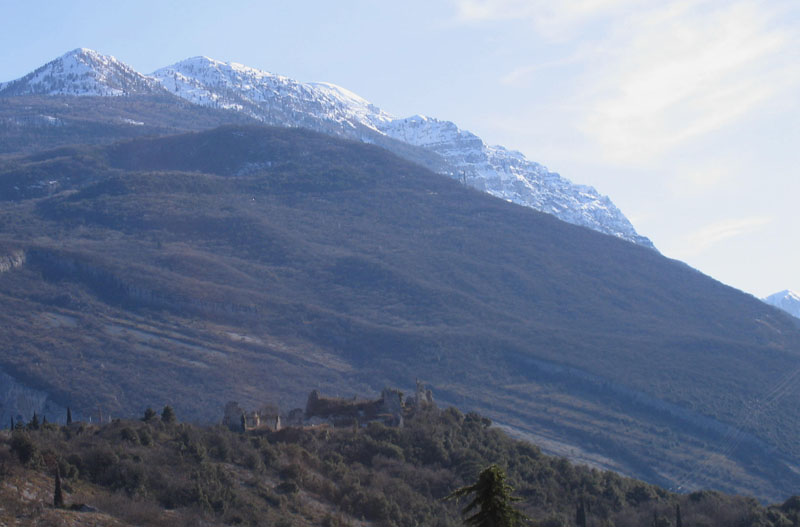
(390, 409)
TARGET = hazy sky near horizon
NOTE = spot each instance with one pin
(685, 112)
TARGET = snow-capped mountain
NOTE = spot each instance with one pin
(82, 72)
(787, 300)
(326, 107)
(278, 100)
(509, 175)
(270, 98)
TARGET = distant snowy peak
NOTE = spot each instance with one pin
(82, 72)
(786, 300)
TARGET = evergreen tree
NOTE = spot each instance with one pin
(678, 520)
(580, 515)
(69, 416)
(168, 414)
(244, 423)
(58, 495)
(492, 496)
(34, 424)
(149, 415)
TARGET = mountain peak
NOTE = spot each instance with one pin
(81, 52)
(786, 300)
(83, 72)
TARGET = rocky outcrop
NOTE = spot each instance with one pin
(56, 265)
(12, 260)
(19, 402)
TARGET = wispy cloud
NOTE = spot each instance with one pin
(686, 70)
(701, 179)
(552, 19)
(521, 73)
(653, 76)
(700, 240)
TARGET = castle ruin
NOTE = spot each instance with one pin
(391, 408)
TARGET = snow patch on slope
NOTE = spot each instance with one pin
(273, 99)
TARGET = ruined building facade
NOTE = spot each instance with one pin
(390, 409)
(266, 418)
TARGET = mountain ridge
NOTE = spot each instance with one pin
(278, 100)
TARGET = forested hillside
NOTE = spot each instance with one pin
(159, 471)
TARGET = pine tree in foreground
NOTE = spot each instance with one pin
(492, 498)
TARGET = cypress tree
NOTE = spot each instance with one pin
(58, 495)
(580, 515)
(34, 424)
(244, 423)
(168, 414)
(678, 520)
(69, 416)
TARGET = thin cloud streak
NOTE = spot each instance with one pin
(684, 72)
(551, 19)
(702, 239)
(654, 78)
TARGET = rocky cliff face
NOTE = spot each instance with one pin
(12, 260)
(114, 289)
(19, 402)
(510, 175)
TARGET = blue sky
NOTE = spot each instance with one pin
(685, 112)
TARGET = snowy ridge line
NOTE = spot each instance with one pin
(324, 107)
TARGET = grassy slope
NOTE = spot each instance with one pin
(244, 263)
